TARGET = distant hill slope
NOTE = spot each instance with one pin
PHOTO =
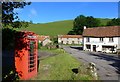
(52, 28)
(55, 28)
(104, 21)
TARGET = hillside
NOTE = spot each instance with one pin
(55, 28)
(52, 28)
(104, 21)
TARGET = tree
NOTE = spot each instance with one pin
(10, 18)
(8, 38)
(55, 40)
(31, 22)
(8, 14)
(78, 24)
(71, 32)
(81, 21)
(92, 22)
(25, 24)
(114, 22)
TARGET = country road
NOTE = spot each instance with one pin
(108, 65)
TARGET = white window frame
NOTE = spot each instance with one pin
(101, 39)
(88, 39)
(111, 39)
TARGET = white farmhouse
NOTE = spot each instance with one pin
(103, 39)
(44, 40)
(70, 39)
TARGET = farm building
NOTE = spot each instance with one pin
(103, 39)
(44, 40)
(70, 39)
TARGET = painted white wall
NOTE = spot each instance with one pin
(96, 41)
(119, 43)
(46, 41)
(84, 43)
(70, 40)
(105, 41)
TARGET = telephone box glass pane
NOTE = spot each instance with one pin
(32, 56)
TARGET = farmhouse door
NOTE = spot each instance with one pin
(94, 48)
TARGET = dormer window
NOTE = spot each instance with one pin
(101, 39)
(111, 39)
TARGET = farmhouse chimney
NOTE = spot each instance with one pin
(84, 27)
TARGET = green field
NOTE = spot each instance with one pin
(55, 28)
(104, 21)
(51, 29)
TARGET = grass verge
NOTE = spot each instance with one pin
(59, 67)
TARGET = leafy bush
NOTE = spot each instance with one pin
(8, 38)
(39, 45)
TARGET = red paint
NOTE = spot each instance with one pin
(23, 63)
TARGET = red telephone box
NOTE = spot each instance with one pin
(26, 54)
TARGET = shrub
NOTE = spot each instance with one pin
(8, 38)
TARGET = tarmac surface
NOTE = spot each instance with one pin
(108, 65)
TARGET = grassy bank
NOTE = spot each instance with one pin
(55, 28)
(59, 67)
(51, 29)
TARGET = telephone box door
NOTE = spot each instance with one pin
(26, 55)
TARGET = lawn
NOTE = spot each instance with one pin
(59, 67)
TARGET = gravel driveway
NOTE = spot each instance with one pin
(108, 66)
